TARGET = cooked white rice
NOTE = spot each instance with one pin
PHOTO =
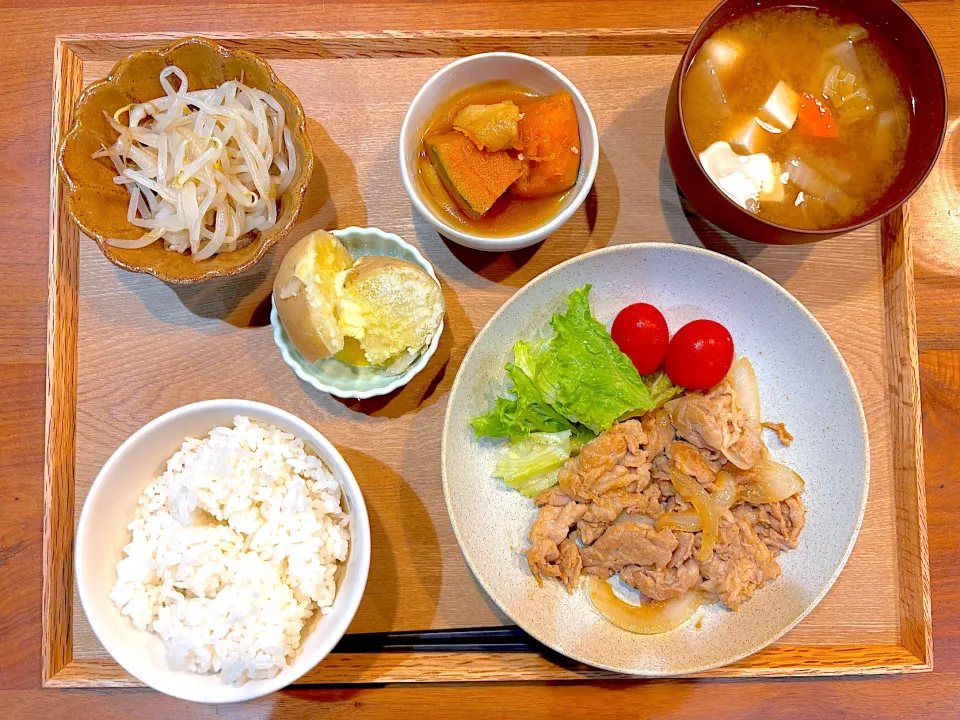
(234, 548)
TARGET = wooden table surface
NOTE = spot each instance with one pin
(25, 102)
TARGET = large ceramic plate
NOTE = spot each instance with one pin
(803, 382)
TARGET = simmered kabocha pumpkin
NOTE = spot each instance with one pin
(499, 160)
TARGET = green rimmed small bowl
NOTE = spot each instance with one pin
(334, 376)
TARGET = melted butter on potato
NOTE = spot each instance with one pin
(352, 353)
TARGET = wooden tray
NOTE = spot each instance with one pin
(124, 348)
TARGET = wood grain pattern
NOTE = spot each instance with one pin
(440, 667)
(108, 411)
(25, 129)
(58, 481)
(129, 326)
(307, 45)
(916, 623)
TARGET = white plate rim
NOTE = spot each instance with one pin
(671, 247)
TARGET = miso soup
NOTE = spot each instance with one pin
(798, 115)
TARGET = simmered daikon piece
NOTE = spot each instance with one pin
(491, 127)
(806, 178)
(722, 53)
(830, 169)
(704, 81)
(811, 206)
(714, 65)
(814, 183)
(475, 178)
(884, 138)
(845, 55)
(549, 147)
(856, 32)
(780, 109)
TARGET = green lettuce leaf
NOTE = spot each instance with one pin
(525, 354)
(581, 372)
(529, 465)
(537, 485)
(525, 413)
(661, 388)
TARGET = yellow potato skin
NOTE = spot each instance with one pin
(305, 296)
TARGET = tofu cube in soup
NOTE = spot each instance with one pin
(781, 108)
(722, 53)
(750, 137)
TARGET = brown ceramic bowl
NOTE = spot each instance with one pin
(99, 206)
(925, 82)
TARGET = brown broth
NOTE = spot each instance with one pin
(790, 44)
(510, 215)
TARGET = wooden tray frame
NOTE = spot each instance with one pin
(914, 653)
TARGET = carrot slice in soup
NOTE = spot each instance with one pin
(815, 119)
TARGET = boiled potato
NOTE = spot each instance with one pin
(305, 294)
(392, 307)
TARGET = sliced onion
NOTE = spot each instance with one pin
(652, 618)
(683, 520)
(723, 498)
(725, 494)
(744, 381)
(691, 491)
(767, 482)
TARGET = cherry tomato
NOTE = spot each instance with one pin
(699, 355)
(640, 331)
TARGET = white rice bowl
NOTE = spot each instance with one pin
(234, 548)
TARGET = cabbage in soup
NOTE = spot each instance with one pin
(798, 116)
